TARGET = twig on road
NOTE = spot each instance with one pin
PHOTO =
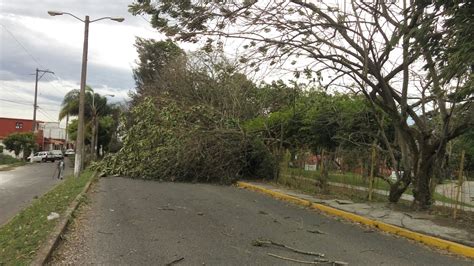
(165, 209)
(105, 233)
(296, 260)
(316, 232)
(260, 243)
(174, 261)
(315, 262)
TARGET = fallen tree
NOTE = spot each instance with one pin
(172, 144)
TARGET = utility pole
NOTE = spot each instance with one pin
(35, 105)
(79, 160)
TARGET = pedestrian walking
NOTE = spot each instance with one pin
(61, 167)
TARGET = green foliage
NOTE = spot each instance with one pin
(319, 120)
(7, 159)
(464, 142)
(184, 145)
(95, 106)
(453, 45)
(107, 126)
(159, 65)
(72, 131)
(20, 142)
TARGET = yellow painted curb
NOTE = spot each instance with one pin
(425, 239)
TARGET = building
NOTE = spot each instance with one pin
(54, 137)
(14, 125)
(49, 136)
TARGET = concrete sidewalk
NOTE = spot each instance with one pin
(379, 211)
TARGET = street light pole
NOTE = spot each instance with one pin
(78, 161)
(79, 158)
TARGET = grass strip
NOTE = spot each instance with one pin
(8, 167)
(356, 180)
(7, 159)
(23, 235)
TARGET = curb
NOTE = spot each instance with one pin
(392, 229)
(45, 251)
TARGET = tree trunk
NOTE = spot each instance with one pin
(399, 187)
(407, 160)
(430, 161)
(96, 139)
(422, 191)
(93, 136)
(66, 136)
(425, 165)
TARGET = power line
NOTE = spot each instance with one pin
(22, 46)
(10, 101)
(46, 114)
(52, 110)
(26, 50)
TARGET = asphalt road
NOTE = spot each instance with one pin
(139, 222)
(18, 187)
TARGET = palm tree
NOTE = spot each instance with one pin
(99, 107)
(70, 107)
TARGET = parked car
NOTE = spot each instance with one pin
(43, 156)
(57, 154)
(69, 152)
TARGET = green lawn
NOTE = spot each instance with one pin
(8, 162)
(358, 180)
(23, 235)
(346, 178)
(7, 159)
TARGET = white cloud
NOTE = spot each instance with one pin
(56, 43)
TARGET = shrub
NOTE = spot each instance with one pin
(7, 159)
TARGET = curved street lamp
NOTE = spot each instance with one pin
(78, 162)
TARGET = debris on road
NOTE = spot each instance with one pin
(343, 202)
(319, 260)
(174, 261)
(167, 208)
(52, 216)
(262, 243)
(315, 261)
(105, 233)
(316, 232)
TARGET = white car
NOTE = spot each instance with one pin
(42, 156)
(58, 154)
(69, 152)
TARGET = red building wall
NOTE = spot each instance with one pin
(15, 125)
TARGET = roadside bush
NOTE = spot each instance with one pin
(20, 142)
(260, 162)
(7, 159)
